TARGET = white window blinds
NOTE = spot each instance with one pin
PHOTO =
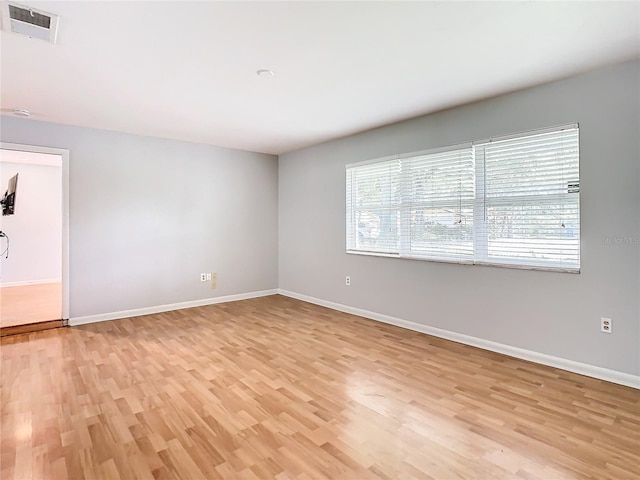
(438, 192)
(373, 207)
(531, 200)
(416, 206)
(509, 201)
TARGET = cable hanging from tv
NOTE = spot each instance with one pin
(6, 250)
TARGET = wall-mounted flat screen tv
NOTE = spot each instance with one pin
(9, 199)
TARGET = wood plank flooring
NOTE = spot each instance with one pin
(25, 304)
(278, 388)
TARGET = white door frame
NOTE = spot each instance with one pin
(65, 212)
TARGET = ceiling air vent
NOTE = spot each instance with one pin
(29, 21)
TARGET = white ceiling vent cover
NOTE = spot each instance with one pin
(29, 21)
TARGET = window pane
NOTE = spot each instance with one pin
(378, 230)
(532, 187)
(534, 165)
(441, 190)
(442, 232)
(545, 233)
(373, 202)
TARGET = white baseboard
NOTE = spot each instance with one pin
(544, 359)
(167, 308)
(31, 282)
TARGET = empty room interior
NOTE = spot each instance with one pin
(320, 240)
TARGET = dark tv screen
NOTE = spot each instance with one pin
(9, 199)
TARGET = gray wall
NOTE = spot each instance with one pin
(547, 312)
(148, 215)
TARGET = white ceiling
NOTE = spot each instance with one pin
(187, 70)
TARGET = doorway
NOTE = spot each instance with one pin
(34, 238)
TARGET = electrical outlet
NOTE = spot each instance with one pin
(347, 281)
(214, 280)
(203, 277)
(606, 325)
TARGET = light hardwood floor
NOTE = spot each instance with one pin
(27, 304)
(277, 388)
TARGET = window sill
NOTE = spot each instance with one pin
(544, 268)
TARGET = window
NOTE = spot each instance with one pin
(439, 195)
(531, 200)
(373, 207)
(509, 201)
